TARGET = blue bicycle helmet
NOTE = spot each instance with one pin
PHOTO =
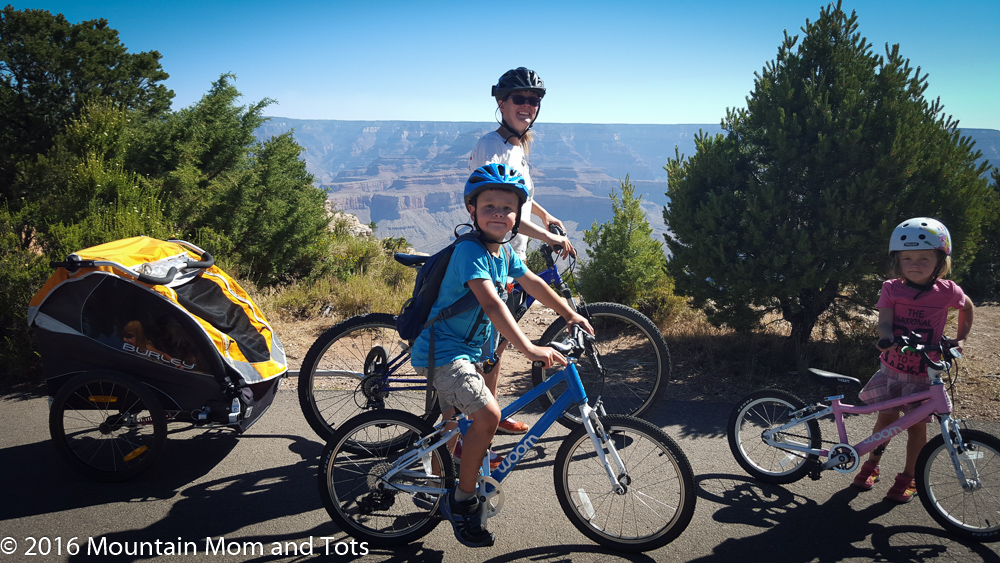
(495, 177)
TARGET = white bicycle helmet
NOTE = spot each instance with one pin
(920, 233)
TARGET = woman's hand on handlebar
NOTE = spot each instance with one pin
(558, 239)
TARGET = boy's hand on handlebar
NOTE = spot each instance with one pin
(547, 356)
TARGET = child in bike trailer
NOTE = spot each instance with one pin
(518, 94)
(493, 194)
(916, 301)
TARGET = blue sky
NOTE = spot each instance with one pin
(657, 61)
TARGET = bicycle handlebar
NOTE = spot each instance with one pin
(573, 345)
(554, 228)
(913, 343)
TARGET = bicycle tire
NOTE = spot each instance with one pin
(331, 376)
(107, 425)
(634, 355)
(972, 514)
(660, 493)
(349, 480)
(760, 411)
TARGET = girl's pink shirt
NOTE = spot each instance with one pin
(925, 315)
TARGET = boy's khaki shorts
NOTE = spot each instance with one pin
(459, 385)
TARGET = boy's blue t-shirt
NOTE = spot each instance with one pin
(464, 335)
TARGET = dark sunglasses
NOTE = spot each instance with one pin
(520, 100)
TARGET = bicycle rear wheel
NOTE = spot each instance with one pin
(352, 487)
(659, 497)
(974, 512)
(344, 374)
(632, 353)
(761, 411)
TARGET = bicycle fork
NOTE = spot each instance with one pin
(617, 475)
(962, 458)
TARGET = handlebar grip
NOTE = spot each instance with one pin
(207, 261)
(554, 228)
(144, 278)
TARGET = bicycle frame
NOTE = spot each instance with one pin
(574, 395)
(935, 401)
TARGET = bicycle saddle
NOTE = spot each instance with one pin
(831, 379)
(411, 260)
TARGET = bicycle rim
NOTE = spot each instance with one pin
(332, 384)
(973, 512)
(354, 493)
(659, 499)
(761, 411)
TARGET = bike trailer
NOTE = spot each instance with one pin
(159, 312)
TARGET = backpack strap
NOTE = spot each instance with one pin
(464, 303)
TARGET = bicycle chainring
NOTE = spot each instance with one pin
(849, 455)
(493, 496)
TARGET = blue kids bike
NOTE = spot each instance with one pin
(620, 480)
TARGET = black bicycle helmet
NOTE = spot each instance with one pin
(516, 80)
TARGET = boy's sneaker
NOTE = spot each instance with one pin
(511, 426)
(495, 459)
(902, 490)
(867, 477)
(464, 517)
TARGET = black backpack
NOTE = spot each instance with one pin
(413, 318)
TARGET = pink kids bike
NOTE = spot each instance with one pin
(775, 437)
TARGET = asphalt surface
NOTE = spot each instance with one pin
(259, 490)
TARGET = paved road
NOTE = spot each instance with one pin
(261, 488)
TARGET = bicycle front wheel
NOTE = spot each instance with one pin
(761, 411)
(971, 511)
(345, 373)
(633, 358)
(355, 491)
(659, 489)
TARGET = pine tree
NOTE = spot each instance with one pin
(790, 210)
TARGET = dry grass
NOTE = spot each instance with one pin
(709, 363)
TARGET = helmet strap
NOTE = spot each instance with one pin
(503, 125)
(482, 234)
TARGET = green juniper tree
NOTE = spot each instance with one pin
(789, 211)
(983, 279)
(50, 69)
(626, 263)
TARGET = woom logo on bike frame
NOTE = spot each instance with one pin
(522, 448)
(885, 434)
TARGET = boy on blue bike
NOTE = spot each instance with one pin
(494, 195)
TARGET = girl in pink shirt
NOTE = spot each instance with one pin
(915, 301)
